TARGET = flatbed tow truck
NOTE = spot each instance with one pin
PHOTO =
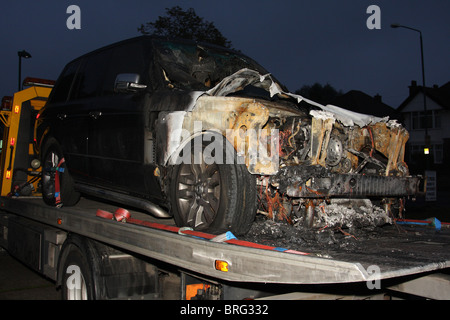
(97, 250)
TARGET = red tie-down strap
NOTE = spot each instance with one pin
(123, 215)
(58, 169)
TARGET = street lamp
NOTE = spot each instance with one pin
(396, 25)
(25, 55)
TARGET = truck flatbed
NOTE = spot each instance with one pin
(395, 253)
(144, 256)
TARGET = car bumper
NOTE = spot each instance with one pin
(294, 181)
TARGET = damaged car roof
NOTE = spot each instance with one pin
(230, 72)
(247, 77)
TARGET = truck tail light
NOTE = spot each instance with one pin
(222, 265)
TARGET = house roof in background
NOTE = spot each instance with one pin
(440, 95)
(361, 102)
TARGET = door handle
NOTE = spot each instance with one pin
(61, 116)
(95, 114)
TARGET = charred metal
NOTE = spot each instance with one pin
(323, 152)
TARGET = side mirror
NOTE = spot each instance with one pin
(128, 82)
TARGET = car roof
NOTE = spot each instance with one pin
(151, 38)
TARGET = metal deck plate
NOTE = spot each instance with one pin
(395, 254)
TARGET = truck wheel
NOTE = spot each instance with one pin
(52, 165)
(213, 197)
(77, 281)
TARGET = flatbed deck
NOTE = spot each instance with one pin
(396, 253)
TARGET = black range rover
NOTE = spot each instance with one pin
(207, 136)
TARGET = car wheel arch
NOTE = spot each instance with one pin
(208, 135)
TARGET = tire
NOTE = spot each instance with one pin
(77, 282)
(214, 198)
(52, 156)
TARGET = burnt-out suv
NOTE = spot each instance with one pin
(207, 136)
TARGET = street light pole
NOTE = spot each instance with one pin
(395, 25)
(26, 55)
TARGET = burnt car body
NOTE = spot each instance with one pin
(207, 136)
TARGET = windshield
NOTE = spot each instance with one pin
(196, 67)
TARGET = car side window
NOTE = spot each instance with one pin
(64, 84)
(127, 58)
(90, 77)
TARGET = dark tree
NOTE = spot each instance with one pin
(185, 25)
(319, 93)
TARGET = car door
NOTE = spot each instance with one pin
(78, 114)
(116, 142)
(68, 120)
(116, 135)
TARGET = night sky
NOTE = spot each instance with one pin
(300, 42)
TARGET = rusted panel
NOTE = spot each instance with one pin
(321, 127)
(318, 153)
(242, 122)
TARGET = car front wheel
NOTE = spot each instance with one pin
(213, 197)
